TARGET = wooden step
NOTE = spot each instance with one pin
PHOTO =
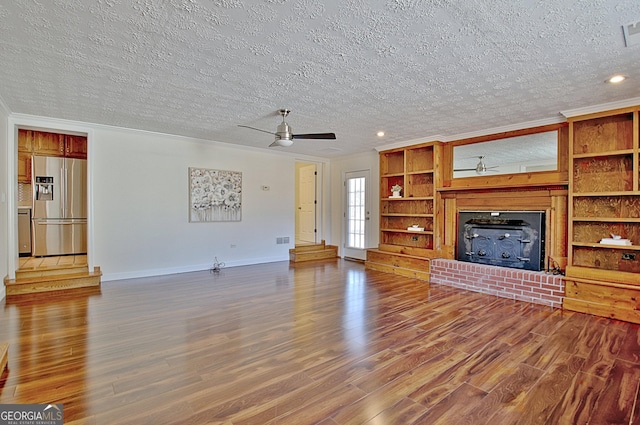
(51, 271)
(313, 252)
(52, 279)
(401, 264)
(309, 247)
(4, 356)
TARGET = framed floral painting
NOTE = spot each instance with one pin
(214, 195)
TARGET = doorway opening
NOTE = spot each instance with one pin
(51, 199)
(306, 200)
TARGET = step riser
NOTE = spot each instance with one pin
(297, 257)
(84, 281)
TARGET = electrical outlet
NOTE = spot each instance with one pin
(628, 256)
(414, 238)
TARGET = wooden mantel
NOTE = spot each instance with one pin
(551, 199)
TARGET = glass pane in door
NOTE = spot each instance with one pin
(356, 213)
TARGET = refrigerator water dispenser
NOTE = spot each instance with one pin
(44, 188)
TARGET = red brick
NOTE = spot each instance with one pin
(531, 283)
(542, 291)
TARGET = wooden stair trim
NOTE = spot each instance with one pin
(52, 278)
(327, 252)
(53, 282)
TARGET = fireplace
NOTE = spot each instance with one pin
(502, 238)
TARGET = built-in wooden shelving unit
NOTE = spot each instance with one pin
(403, 251)
(604, 200)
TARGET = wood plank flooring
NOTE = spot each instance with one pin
(314, 343)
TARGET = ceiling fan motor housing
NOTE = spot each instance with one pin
(481, 168)
(284, 132)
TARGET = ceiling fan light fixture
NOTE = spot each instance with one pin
(285, 143)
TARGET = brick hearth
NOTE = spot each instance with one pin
(524, 285)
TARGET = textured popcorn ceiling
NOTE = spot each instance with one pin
(409, 67)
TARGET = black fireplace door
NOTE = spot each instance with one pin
(508, 239)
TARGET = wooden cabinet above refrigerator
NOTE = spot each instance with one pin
(31, 142)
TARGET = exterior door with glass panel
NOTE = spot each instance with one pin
(356, 214)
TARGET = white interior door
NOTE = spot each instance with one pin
(307, 203)
(356, 214)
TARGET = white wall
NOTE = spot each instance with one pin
(340, 166)
(4, 190)
(139, 209)
(140, 205)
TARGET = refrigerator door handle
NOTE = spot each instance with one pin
(62, 194)
(58, 222)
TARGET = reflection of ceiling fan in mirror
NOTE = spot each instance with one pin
(284, 133)
(480, 168)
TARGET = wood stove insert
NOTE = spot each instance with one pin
(502, 238)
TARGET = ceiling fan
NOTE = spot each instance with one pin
(481, 168)
(284, 133)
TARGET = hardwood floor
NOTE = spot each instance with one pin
(314, 343)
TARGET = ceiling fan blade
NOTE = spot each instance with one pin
(329, 136)
(257, 129)
(465, 169)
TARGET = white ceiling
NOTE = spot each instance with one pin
(412, 68)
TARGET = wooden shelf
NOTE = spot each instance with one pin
(425, 232)
(414, 198)
(623, 152)
(606, 246)
(610, 194)
(420, 172)
(608, 219)
(406, 215)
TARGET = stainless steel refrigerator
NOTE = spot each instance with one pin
(59, 206)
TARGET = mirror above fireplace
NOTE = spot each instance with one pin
(525, 153)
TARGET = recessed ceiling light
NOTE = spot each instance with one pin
(616, 79)
(380, 133)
